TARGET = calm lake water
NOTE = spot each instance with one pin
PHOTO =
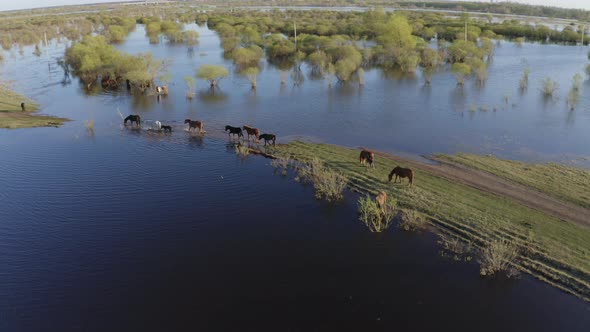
(126, 230)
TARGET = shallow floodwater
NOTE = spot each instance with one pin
(125, 230)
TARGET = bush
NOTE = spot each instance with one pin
(453, 246)
(327, 183)
(524, 80)
(281, 164)
(498, 257)
(212, 73)
(412, 220)
(373, 216)
(549, 87)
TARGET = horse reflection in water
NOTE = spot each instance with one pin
(133, 118)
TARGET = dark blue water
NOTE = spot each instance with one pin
(127, 230)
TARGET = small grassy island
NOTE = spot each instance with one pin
(12, 116)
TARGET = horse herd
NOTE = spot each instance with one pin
(196, 124)
(368, 157)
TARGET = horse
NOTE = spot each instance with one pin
(164, 128)
(381, 200)
(268, 137)
(22, 107)
(252, 131)
(367, 157)
(133, 118)
(402, 173)
(162, 90)
(194, 124)
(234, 131)
(158, 125)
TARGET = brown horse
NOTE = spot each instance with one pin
(367, 157)
(402, 173)
(251, 131)
(381, 200)
(194, 124)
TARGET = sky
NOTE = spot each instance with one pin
(23, 4)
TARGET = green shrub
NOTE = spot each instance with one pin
(375, 218)
(498, 256)
(328, 184)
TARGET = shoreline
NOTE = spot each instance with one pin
(475, 208)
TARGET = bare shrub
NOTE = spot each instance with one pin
(498, 256)
(549, 87)
(412, 220)
(281, 164)
(242, 151)
(454, 247)
(328, 184)
(376, 218)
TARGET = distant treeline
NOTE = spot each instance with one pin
(485, 7)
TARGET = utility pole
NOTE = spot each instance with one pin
(465, 29)
(295, 30)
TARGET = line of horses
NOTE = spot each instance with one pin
(367, 157)
(194, 125)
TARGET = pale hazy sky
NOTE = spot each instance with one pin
(22, 4)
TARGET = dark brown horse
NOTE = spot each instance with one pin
(402, 173)
(166, 128)
(194, 124)
(367, 157)
(132, 118)
(269, 137)
(234, 131)
(251, 131)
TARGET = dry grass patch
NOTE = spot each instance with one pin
(328, 184)
(499, 257)
(412, 220)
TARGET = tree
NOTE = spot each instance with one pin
(212, 73)
(190, 37)
(396, 33)
(251, 73)
(247, 56)
(461, 70)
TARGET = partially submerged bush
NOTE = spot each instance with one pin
(455, 247)
(549, 87)
(498, 257)
(328, 184)
(373, 216)
(413, 220)
(242, 151)
(281, 164)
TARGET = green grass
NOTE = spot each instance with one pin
(11, 115)
(551, 249)
(567, 183)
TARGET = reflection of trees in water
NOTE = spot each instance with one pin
(395, 73)
(212, 95)
(142, 102)
(457, 99)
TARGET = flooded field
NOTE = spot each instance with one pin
(120, 229)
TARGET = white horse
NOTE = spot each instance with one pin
(158, 125)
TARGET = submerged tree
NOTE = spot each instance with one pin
(251, 73)
(549, 87)
(524, 80)
(212, 73)
(461, 71)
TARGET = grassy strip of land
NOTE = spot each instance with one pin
(567, 183)
(12, 116)
(550, 249)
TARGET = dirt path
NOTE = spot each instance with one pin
(493, 184)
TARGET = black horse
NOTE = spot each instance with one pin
(168, 128)
(234, 131)
(269, 137)
(133, 118)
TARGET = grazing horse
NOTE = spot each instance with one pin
(133, 118)
(234, 131)
(162, 90)
(381, 200)
(269, 137)
(164, 128)
(402, 173)
(251, 131)
(194, 124)
(367, 157)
